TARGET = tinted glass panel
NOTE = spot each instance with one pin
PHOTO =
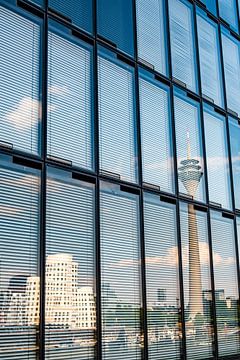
(182, 43)
(69, 101)
(231, 60)
(208, 41)
(115, 23)
(228, 11)
(19, 279)
(226, 288)
(70, 311)
(217, 158)
(117, 118)
(210, 5)
(151, 33)
(19, 81)
(234, 128)
(161, 251)
(189, 147)
(197, 282)
(120, 274)
(156, 135)
(79, 12)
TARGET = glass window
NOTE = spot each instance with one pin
(163, 302)
(117, 118)
(156, 133)
(182, 43)
(70, 311)
(226, 284)
(19, 82)
(120, 274)
(191, 178)
(70, 115)
(217, 158)
(231, 61)
(210, 68)
(151, 31)
(228, 12)
(19, 275)
(115, 23)
(210, 5)
(234, 128)
(79, 12)
(197, 282)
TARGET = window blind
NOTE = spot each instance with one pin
(69, 102)
(70, 310)
(19, 81)
(117, 119)
(234, 129)
(120, 274)
(161, 252)
(19, 276)
(156, 135)
(151, 33)
(228, 11)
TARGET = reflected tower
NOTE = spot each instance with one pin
(190, 174)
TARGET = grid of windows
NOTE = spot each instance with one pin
(119, 179)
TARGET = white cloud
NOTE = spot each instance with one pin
(58, 90)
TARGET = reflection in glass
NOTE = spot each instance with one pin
(182, 43)
(217, 158)
(120, 274)
(156, 134)
(208, 41)
(19, 82)
(117, 119)
(19, 237)
(151, 33)
(70, 311)
(228, 11)
(234, 128)
(226, 284)
(69, 101)
(189, 148)
(197, 282)
(231, 61)
(161, 251)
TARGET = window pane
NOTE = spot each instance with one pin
(228, 11)
(226, 285)
(182, 43)
(161, 251)
(80, 12)
(209, 59)
(70, 312)
(231, 60)
(156, 134)
(19, 79)
(197, 282)
(69, 101)
(151, 33)
(19, 279)
(210, 5)
(234, 128)
(115, 23)
(117, 118)
(217, 158)
(189, 148)
(120, 274)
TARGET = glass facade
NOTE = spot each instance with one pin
(119, 180)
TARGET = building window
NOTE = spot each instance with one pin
(151, 31)
(70, 99)
(210, 68)
(20, 107)
(117, 117)
(217, 158)
(120, 273)
(228, 12)
(156, 135)
(163, 298)
(234, 128)
(182, 43)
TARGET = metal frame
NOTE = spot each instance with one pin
(27, 7)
